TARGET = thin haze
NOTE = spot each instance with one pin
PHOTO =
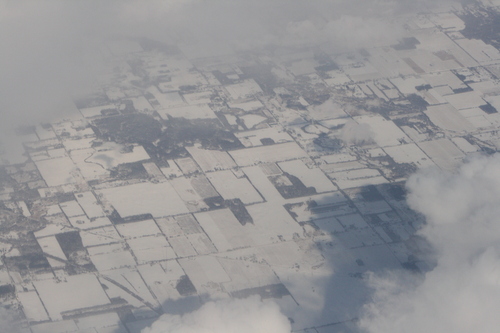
(46, 44)
(49, 47)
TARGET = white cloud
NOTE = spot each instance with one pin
(251, 315)
(356, 134)
(462, 293)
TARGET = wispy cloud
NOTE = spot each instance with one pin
(8, 323)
